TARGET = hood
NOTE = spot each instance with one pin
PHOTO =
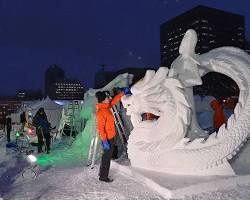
(102, 106)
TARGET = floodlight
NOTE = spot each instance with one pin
(32, 158)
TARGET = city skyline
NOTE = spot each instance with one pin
(80, 36)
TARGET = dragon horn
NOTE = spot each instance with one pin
(188, 43)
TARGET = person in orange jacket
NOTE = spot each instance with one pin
(106, 128)
(151, 116)
(219, 116)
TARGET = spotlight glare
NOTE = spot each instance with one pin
(32, 158)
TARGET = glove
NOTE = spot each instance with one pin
(105, 145)
(126, 90)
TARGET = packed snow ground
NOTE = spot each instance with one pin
(63, 183)
(78, 183)
(82, 183)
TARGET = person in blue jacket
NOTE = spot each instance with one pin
(42, 125)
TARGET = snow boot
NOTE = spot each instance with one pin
(107, 180)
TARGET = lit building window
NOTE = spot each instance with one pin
(204, 34)
(195, 22)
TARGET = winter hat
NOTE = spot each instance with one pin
(41, 110)
(101, 96)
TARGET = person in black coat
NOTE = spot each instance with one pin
(23, 120)
(8, 127)
(42, 125)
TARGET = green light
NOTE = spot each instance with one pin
(77, 153)
(17, 134)
(45, 160)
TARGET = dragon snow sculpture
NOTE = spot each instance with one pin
(161, 145)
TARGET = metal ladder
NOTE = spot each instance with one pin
(93, 150)
(119, 125)
(72, 122)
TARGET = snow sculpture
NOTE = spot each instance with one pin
(160, 145)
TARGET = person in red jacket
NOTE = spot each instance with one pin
(219, 116)
(105, 125)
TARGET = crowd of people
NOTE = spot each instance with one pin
(39, 124)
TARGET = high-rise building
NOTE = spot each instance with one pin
(247, 45)
(215, 28)
(53, 75)
(69, 89)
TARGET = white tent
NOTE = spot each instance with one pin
(31, 105)
(52, 110)
(26, 106)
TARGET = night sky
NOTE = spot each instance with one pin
(80, 35)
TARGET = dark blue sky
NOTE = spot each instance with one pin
(80, 35)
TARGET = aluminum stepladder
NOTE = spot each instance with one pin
(93, 150)
(73, 124)
(120, 129)
(121, 132)
(119, 123)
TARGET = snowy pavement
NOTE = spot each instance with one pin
(78, 183)
(240, 192)
(63, 183)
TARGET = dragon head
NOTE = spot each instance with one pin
(162, 96)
